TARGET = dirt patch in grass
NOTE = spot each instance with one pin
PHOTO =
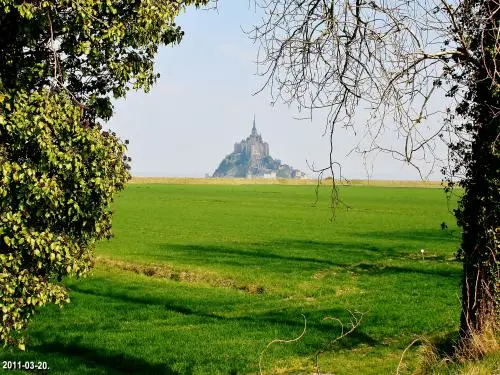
(347, 290)
(168, 272)
(324, 273)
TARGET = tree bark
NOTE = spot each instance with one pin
(479, 213)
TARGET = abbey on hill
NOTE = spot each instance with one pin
(251, 158)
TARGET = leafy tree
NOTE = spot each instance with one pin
(61, 63)
(407, 63)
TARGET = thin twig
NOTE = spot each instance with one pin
(356, 319)
(406, 349)
(282, 341)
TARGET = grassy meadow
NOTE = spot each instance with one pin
(200, 278)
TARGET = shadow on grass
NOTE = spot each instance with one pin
(252, 254)
(278, 257)
(371, 245)
(448, 236)
(446, 345)
(115, 364)
(289, 319)
(380, 269)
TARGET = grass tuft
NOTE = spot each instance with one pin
(481, 344)
(480, 355)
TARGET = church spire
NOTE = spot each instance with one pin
(254, 129)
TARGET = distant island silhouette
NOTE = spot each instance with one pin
(251, 158)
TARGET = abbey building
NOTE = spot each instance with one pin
(253, 145)
(250, 158)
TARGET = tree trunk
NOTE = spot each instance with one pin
(479, 209)
(478, 215)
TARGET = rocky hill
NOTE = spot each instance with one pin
(251, 158)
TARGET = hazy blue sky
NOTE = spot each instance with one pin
(203, 104)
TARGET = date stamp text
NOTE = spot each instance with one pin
(24, 365)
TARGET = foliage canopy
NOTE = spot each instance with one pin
(61, 63)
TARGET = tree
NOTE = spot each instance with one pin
(395, 57)
(61, 63)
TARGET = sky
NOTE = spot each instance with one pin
(204, 102)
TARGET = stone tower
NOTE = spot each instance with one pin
(251, 159)
(253, 146)
(254, 129)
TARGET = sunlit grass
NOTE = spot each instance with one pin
(199, 278)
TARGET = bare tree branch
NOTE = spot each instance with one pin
(387, 58)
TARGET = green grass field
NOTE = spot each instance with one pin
(200, 278)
